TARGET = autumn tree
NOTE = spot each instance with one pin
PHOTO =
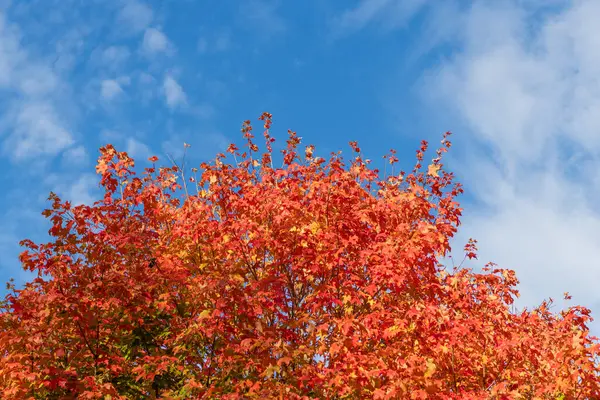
(318, 279)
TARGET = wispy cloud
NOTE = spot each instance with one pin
(137, 150)
(114, 57)
(214, 44)
(110, 88)
(262, 16)
(174, 94)
(79, 189)
(37, 130)
(389, 13)
(526, 87)
(77, 156)
(155, 42)
(34, 126)
(135, 16)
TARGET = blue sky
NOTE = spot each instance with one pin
(516, 81)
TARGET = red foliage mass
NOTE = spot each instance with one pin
(309, 281)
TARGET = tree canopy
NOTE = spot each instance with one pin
(318, 279)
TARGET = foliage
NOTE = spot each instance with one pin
(309, 281)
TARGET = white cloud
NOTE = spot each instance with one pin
(526, 87)
(219, 43)
(146, 79)
(75, 156)
(203, 111)
(135, 16)
(147, 87)
(82, 190)
(36, 80)
(154, 41)
(137, 150)
(110, 88)
(390, 13)
(114, 56)
(109, 136)
(174, 94)
(10, 52)
(262, 17)
(31, 123)
(123, 80)
(37, 130)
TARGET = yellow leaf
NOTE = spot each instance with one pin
(392, 331)
(182, 253)
(204, 314)
(314, 227)
(271, 369)
(433, 169)
(213, 178)
(431, 367)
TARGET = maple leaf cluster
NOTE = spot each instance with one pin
(314, 280)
